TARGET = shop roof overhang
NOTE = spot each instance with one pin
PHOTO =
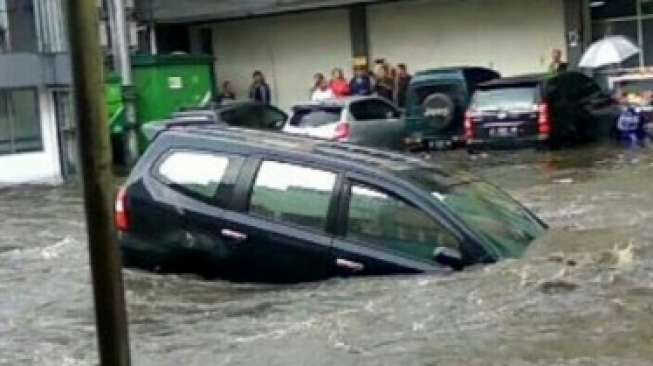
(196, 11)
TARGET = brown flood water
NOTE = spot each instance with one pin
(582, 296)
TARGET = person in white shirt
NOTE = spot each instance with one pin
(322, 92)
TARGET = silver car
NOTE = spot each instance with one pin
(369, 121)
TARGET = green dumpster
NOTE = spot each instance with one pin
(163, 84)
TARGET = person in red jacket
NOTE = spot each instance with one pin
(339, 85)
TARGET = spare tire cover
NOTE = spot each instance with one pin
(439, 110)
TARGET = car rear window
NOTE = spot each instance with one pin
(315, 117)
(512, 97)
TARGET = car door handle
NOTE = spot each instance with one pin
(350, 265)
(234, 235)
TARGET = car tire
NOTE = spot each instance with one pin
(439, 110)
(130, 149)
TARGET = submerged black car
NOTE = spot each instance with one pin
(541, 110)
(254, 206)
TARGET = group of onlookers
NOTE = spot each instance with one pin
(384, 81)
(259, 90)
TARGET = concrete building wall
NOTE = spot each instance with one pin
(288, 49)
(512, 36)
(36, 167)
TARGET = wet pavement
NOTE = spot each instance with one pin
(582, 296)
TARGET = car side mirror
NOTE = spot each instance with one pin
(449, 257)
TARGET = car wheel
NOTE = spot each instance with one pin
(130, 148)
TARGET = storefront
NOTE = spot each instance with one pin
(291, 41)
(512, 37)
(630, 18)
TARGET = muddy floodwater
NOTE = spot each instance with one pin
(582, 296)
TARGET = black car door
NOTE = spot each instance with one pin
(383, 233)
(279, 230)
(197, 187)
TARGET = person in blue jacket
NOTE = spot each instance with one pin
(630, 126)
(361, 83)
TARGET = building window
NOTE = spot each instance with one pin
(630, 18)
(17, 26)
(20, 124)
(51, 26)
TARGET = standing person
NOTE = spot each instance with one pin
(227, 94)
(260, 90)
(402, 80)
(361, 83)
(339, 84)
(384, 86)
(322, 92)
(318, 78)
(557, 65)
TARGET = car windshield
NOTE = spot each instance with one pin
(505, 225)
(515, 97)
(315, 117)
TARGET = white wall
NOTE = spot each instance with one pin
(38, 167)
(288, 49)
(512, 36)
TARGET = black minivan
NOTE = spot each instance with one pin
(541, 110)
(257, 206)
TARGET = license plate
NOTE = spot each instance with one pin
(504, 131)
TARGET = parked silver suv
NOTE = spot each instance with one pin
(369, 121)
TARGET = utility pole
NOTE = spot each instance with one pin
(121, 46)
(95, 154)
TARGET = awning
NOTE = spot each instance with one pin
(176, 11)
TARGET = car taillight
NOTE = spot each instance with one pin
(469, 126)
(343, 132)
(544, 120)
(122, 211)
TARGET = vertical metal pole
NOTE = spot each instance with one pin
(112, 34)
(130, 137)
(640, 35)
(93, 132)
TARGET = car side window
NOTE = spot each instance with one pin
(369, 110)
(382, 219)
(204, 175)
(292, 194)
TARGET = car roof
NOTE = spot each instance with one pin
(334, 102)
(219, 106)
(452, 69)
(346, 156)
(518, 79)
(430, 75)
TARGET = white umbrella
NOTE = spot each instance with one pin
(610, 50)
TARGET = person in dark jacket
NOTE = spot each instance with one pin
(260, 90)
(402, 80)
(361, 83)
(384, 86)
